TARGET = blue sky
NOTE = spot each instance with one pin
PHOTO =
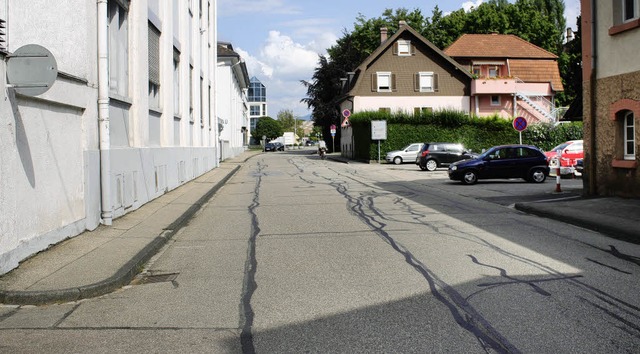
(280, 40)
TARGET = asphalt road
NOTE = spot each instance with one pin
(296, 254)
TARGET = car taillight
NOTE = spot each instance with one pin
(425, 153)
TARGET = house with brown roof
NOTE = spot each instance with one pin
(611, 97)
(512, 77)
(406, 73)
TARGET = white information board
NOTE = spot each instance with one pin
(378, 130)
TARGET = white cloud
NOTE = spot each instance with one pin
(280, 65)
(290, 60)
(469, 4)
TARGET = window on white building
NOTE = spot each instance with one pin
(118, 47)
(191, 93)
(176, 82)
(629, 137)
(154, 66)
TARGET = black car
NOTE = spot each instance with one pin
(434, 155)
(275, 146)
(505, 161)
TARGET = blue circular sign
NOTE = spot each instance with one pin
(520, 124)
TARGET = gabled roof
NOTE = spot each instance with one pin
(391, 40)
(496, 46)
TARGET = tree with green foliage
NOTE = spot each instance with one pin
(268, 127)
(289, 122)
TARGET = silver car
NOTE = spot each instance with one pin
(405, 155)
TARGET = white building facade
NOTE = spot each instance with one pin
(233, 111)
(130, 116)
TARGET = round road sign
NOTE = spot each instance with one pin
(520, 124)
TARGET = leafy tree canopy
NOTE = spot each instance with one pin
(288, 121)
(268, 127)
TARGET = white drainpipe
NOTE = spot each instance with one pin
(103, 113)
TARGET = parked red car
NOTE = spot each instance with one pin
(571, 151)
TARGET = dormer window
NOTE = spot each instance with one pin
(403, 48)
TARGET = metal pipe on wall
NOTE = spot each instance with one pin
(103, 113)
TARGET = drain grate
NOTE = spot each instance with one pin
(156, 278)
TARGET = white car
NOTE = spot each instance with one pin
(405, 155)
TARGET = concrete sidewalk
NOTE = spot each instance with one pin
(100, 261)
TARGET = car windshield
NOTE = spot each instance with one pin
(560, 147)
(485, 154)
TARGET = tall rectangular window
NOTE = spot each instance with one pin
(629, 137)
(384, 81)
(191, 93)
(154, 66)
(426, 82)
(176, 82)
(118, 48)
(629, 9)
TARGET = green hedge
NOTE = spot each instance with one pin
(452, 126)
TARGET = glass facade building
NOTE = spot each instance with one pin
(257, 100)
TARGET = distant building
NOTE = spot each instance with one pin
(611, 94)
(232, 86)
(257, 100)
(129, 117)
(511, 77)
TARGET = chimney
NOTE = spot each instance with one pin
(569, 34)
(402, 23)
(383, 35)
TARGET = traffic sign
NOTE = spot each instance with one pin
(346, 113)
(520, 124)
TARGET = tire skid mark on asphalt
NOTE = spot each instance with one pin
(622, 307)
(249, 285)
(461, 310)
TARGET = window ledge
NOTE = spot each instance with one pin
(624, 27)
(628, 164)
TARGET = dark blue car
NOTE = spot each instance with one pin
(505, 161)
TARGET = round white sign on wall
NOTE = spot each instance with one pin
(31, 70)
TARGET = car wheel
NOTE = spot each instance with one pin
(397, 160)
(537, 175)
(470, 177)
(431, 165)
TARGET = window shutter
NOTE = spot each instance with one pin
(3, 36)
(393, 82)
(395, 48)
(154, 55)
(435, 83)
(374, 82)
(416, 82)
(413, 49)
